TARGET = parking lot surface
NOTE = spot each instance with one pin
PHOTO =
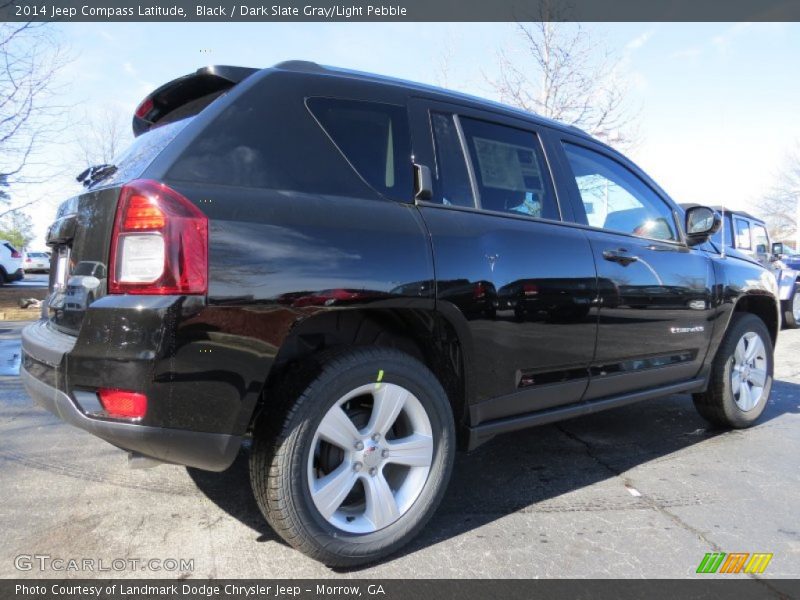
(641, 491)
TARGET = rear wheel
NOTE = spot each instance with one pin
(352, 468)
(741, 376)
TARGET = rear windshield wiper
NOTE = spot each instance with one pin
(95, 174)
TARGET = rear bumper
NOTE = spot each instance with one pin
(44, 352)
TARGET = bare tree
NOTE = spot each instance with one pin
(780, 206)
(102, 137)
(558, 71)
(30, 57)
(444, 64)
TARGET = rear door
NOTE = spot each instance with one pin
(656, 313)
(523, 280)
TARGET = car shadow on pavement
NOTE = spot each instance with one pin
(534, 470)
(230, 490)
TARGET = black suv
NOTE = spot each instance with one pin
(363, 274)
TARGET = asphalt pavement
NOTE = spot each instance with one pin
(31, 280)
(641, 491)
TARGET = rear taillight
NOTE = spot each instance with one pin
(530, 289)
(15, 254)
(159, 244)
(122, 403)
(144, 108)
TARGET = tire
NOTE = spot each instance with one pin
(725, 404)
(791, 310)
(291, 455)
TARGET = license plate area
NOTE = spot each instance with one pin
(60, 278)
(62, 269)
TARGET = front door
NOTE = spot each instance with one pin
(656, 310)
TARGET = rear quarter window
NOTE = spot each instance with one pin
(374, 139)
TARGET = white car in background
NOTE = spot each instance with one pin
(10, 263)
(36, 262)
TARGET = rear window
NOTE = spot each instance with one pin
(374, 139)
(144, 149)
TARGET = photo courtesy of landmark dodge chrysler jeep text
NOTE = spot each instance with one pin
(365, 274)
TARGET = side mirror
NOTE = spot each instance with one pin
(701, 223)
(423, 183)
(777, 248)
(761, 248)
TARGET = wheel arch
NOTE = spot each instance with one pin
(440, 339)
(765, 307)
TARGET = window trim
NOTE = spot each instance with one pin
(570, 174)
(497, 213)
(435, 148)
(457, 112)
(473, 180)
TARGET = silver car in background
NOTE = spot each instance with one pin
(36, 262)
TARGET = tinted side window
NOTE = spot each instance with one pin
(616, 199)
(510, 170)
(726, 230)
(374, 138)
(451, 182)
(760, 239)
(743, 234)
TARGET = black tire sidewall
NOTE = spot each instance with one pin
(789, 321)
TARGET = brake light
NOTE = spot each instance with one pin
(122, 403)
(15, 254)
(530, 289)
(159, 244)
(145, 107)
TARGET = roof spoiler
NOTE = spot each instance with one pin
(186, 96)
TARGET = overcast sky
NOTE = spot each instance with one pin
(718, 103)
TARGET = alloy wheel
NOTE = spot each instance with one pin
(796, 306)
(749, 372)
(370, 458)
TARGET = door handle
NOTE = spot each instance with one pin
(620, 256)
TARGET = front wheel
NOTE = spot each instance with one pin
(741, 375)
(352, 467)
